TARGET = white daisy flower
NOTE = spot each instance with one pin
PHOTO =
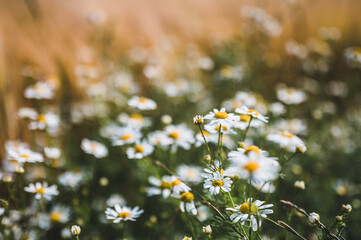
(226, 129)
(253, 164)
(251, 112)
(220, 117)
(28, 113)
(288, 141)
(119, 214)
(142, 103)
(180, 136)
(212, 169)
(71, 179)
(42, 190)
(40, 90)
(291, 95)
(52, 152)
(140, 150)
(253, 214)
(243, 120)
(159, 138)
(59, 214)
(134, 120)
(166, 186)
(126, 135)
(115, 199)
(94, 148)
(190, 173)
(48, 120)
(217, 182)
(23, 155)
(187, 203)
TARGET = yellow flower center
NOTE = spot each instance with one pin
(123, 214)
(175, 182)
(217, 183)
(245, 118)
(165, 185)
(287, 134)
(55, 216)
(251, 111)
(136, 116)
(252, 149)
(251, 166)
(42, 118)
(221, 115)
(93, 147)
(174, 135)
(224, 128)
(187, 197)
(139, 149)
(24, 156)
(126, 137)
(40, 190)
(39, 89)
(245, 208)
(142, 100)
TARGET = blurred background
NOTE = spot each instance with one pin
(227, 46)
(44, 33)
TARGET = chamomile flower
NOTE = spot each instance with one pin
(166, 186)
(212, 169)
(126, 135)
(180, 136)
(48, 120)
(52, 152)
(252, 214)
(217, 182)
(243, 120)
(119, 214)
(40, 90)
(288, 141)
(134, 120)
(42, 190)
(159, 138)
(23, 155)
(253, 164)
(226, 129)
(251, 112)
(27, 113)
(59, 214)
(94, 148)
(139, 150)
(71, 179)
(142, 103)
(187, 203)
(291, 95)
(220, 117)
(115, 199)
(190, 173)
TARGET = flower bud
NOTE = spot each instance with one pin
(314, 217)
(207, 229)
(75, 230)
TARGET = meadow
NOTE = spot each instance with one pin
(180, 119)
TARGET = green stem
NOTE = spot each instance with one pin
(230, 197)
(245, 132)
(205, 140)
(122, 230)
(219, 142)
(250, 205)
